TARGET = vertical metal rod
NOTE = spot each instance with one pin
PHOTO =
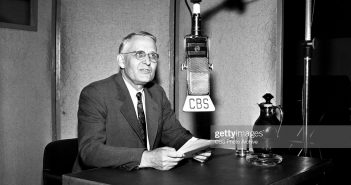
(307, 64)
(308, 20)
(172, 40)
(58, 70)
(53, 71)
(306, 103)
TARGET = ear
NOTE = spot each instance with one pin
(121, 61)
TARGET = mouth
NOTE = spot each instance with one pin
(145, 71)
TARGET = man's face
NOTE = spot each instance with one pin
(138, 72)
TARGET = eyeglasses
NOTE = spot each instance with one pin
(140, 55)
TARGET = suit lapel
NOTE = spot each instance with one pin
(127, 108)
(152, 116)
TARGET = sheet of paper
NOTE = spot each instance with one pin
(189, 149)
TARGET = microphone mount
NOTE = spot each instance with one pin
(197, 66)
(196, 18)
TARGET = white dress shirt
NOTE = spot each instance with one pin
(133, 92)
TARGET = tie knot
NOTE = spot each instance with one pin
(138, 95)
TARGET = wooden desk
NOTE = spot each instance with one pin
(221, 169)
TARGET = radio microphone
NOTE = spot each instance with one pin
(197, 66)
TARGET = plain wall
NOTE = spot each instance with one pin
(245, 49)
(25, 100)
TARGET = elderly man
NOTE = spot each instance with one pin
(126, 120)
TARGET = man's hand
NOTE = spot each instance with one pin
(164, 158)
(203, 156)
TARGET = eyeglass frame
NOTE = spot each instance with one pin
(139, 52)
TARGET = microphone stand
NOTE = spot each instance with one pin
(308, 49)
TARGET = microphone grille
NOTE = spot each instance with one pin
(199, 76)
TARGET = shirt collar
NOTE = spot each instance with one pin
(131, 89)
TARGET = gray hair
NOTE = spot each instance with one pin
(127, 38)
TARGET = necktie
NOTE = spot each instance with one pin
(141, 117)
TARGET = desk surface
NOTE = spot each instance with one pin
(221, 169)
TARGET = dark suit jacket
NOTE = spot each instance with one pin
(108, 133)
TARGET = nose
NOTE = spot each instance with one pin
(147, 60)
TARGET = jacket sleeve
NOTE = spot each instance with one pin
(173, 133)
(93, 151)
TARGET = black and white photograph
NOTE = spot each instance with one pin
(175, 92)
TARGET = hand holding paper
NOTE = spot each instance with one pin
(164, 158)
(194, 146)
